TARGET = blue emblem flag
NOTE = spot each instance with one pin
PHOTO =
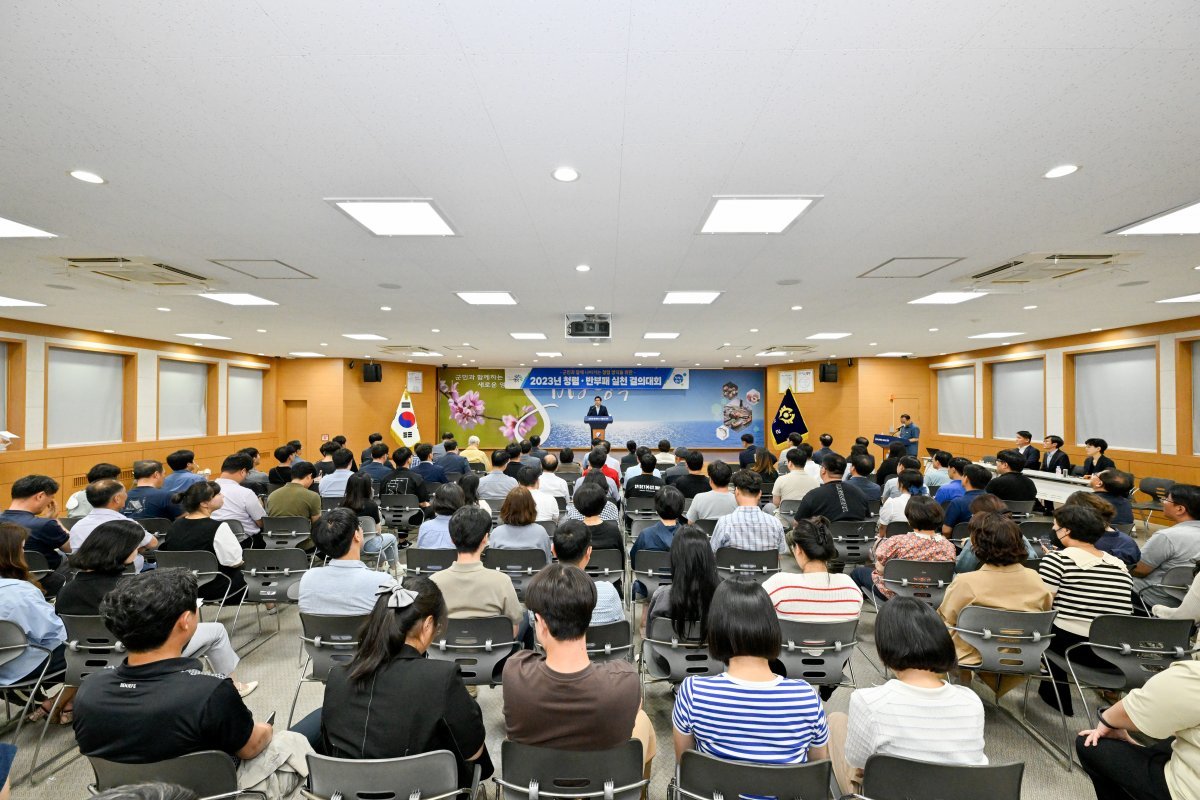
(788, 419)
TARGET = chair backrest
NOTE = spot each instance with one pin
(330, 503)
(550, 526)
(531, 772)
(13, 642)
(640, 506)
(201, 563)
(853, 540)
(477, 467)
(428, 560)
(681, 656)
(988, 459)
(757, 564)
(209, 773)
(817, 652)
(1176, 582)
(396, 509)
(788, 508)
(37, 563)
(605, 565)
(960, 532)
(895, 778)
(897, 528)
(454, 477)
(285, 532)
(478, 646)
(1157, 488)
(273, 576)
(1124, 527)
(705, 777)
(1139, 646)
(68, 522)
(330, 641)
(638, 525)
(851, 529)
(1037, 530)
(651, 568)
(926, 581)
(429, 776)
(368, 525)
(520, 565)
(873, 507)
(709, 526)
(1077, 471)
(609, 642)
(1024, 507)
(1010, 642)
(155, 525)
(90, 647)
(562, 502)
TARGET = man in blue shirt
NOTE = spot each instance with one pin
(746, 457)
(334, 484)
(147, 499)
(32, 496)
(861, 466)
(974, 481)
(431, 472)
(1113, 486)
(819, 455)
(454, 461)
(377, 465)
(668, 504)
(952, 488)
(184, 474)
(910, 433)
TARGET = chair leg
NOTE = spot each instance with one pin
(295, 698)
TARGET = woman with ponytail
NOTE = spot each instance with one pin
(814, 595)
(391, 700)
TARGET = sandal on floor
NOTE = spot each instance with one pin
(37, 715)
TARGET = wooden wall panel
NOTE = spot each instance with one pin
(369, 406)
(831, 407)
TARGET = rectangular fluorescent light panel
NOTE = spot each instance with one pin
(204, 336)
(754, 214)
(488, 298)
(997, 335)
(306, 354)
(399, 217)
(894, 355)
(1181, 221)
(646, 355)
(528, 335)
(365, 337)
(426, 354)
(766, 353)
(828, 336)
(550, 355)
(239, 299)
(946, 298)
(15, 230)
(661, 335)
(14, 302)
(690, 298)
(1187, 298)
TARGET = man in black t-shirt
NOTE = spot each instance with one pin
(695, 481)
(1009, 483)
(833, 499)
(147, 499)
(645, 484)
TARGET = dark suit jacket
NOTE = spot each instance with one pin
(592, 411)
(1033, 459)
(1056, 459)
(1103, 463)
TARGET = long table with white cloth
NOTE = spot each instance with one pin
(1050, 486)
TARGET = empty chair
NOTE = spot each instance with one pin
(1156, 489)
(669, 657)
(426, 561)
(211, 774)
(478, 646)
(330, 503)
(518, 565)
(327, 641)
(853, 540)
(709, 526)
(431, 776)
(757, 564)
(398, 510)
(273, 576)
(924, 580)
(532, 772)
(894, 778)
(650, 568)
(155, 525)
(38, 566)
(642, 507)
(1037, 530)
(611, 641)
(705, 777)
(606, 565)
(897, 528)
(818, 652)
(285, 532)
(1020, 508)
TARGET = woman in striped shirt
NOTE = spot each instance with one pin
(815, 595)
(1086, 582)
(748, 713)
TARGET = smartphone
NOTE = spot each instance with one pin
(271, 719)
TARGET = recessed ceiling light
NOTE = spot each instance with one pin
(397, 217)
(163, 308)
(260, 330)
(725, 344)
(566, 174)
(690, 298)
(661, 335)
(933, 330)
(14, 302)
(487, 298)
(697, 363)
(754, 214)
(1030, 308)
(872, 344)
(894, 354)
(599, 361)
(739, 355)
(1096, 330)
(459, 355)
(205, 336)
(646, 355)
(828, 336)
(385, 308)
(1195, 267)
(997, 335)
(766, 353)
(754, 330)
(109, 330)
(306, 354)
(1061, 171)
(595, 344)
(797, 308)
(238, 299)
(472, 361)
(365, 337)
(1006, 343)
(85, 176)
(589, 308)
(550, 355)
(583, 268)
(1187, 298)
(579, 365)
(535, 361)
(262, 354)
(466, 344)
(426, 354)
(15, 230)
(727, 361)
(1181, 221)
(435, 330)
(947, 298)
(528, 335)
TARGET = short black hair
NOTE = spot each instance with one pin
(863, 463)
(648, 463)
(1056, 440)
(796, 439)
(106, 548)
(694, 460)
(1013, 458)
(959, 464)
(977, 475)
(250, 451)
(942, 458)
(796, 455)
(528, 475)
(1084, 523)
(513, 449)
(446, 435)
(378, 437)
(631, 446)
(905, 416)
(304, 469)
(563, 596)
(909, 462)
(340, 439)
(598, 397)
(1095, 442)
(668, 503)
(179, 460)
(1024, 434)
(597, 458)
(911, 635)
(566, 456)
(826, 440)
(423, 451)
(742, 622)
(748, 438)
(334, 531)
(283, 453)
(924, 513)
(1116, 482)
(499, 458)
(379, 450)
(100, 493)
(448, 499)
(589, 499)
(664, 446)
(534, 441)
(146, 468)
(296, 445)
(719, 473)
(450, 445)
(1188, 496)
(342, 458)
(571, 541)
(910, 479)
(142, 610)
(526, 446)
(834, 464)
(29, 485)
(105, 470)
(401, 455)
(329, 448)
(468, 528)
(748, 482)
(237, 462)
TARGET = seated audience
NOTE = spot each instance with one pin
(531, 479)
(452, 460)
(812, 466)
(496, 484)
(794, 441)
(183, 473)
(937, 474)
(795, 483)
(573, 546)
(1096, 461)
(340, 441)
(668, 505)
(567, 465)
(748, 454)
(892, 487)
(513, 450)
(910, 482)
(296, 498)
(473, 454)
(748, 713)
(1114, 486)
(334, 484)
(344, 587)
(631, 456)
(434, 534)
(281, 473)
(78, 505)
(550, 482)
(891, 464)
(764, 465)
(439, 449)
(297, 455)
(518, 529)
(717, 501)
(106, 498)
(373, 439)
(426, 468)
(198, 530)
(324, 464)
(589, 501)
(240, 503)
(952, 488)
(861, 465)
(403, 480)
(23, 603)
(1053, 458)
(563, 699)
(1009, 483)
(748, 527)
(147, 499)
(833, 499)
(1121, 767)
(391, 701)
(1176, 546)
(528, 459)
(256, 480)
(535, 444)
(826, 448)
(922, 543)
(1086, 583)
(470, 486)
(986, 504)
(644, 484)
(596, 467)
(376, 464)
(664, 455)
(359, 498)
(159, 705)
(101, 562)
(695, 480)
(694, 578)
(471, 590)
(975, 479)
(34, 508)
(1027, 450)
(671, 475)
(1121, 545)
(894, 719)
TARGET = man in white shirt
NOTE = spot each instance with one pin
(547, 506)
(107, 497)
(937, 474)
(549, 482)
(334, 484)
(77, 504)
(719, 501)
(795, 483)
(664, 456)
(240, 503)
(345, 586)
(811, 466)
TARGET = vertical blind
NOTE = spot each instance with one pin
(245, 400)
(956, 401)
(182, 398)
(84, 397)
(1018, 398)
(1116, 398)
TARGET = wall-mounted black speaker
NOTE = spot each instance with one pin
(828, 373)
(372, 373)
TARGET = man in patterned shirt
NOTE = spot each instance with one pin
(747, 527)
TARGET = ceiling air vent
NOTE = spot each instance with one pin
(130, 272)
(1033, 270)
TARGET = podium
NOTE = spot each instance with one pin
(885, 440)
(597, 424)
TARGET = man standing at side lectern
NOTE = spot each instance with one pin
(598, 410)
(909, 432)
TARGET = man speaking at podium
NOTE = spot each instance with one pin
(597, 410)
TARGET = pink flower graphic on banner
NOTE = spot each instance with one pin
(515, 428)
(466, 409)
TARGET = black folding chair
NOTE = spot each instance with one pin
(704, 777)
(478, 647)
(210, 774)
(895, 778)
(541, 772)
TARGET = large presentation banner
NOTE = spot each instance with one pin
(688, 407)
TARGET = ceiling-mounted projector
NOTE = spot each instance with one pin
(589, 326)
